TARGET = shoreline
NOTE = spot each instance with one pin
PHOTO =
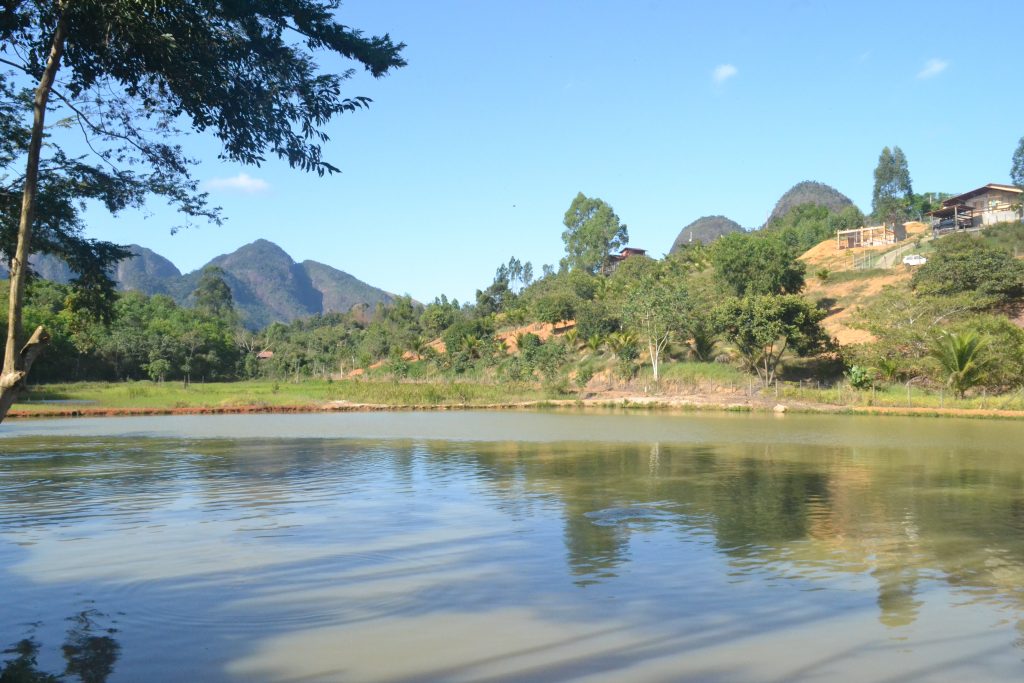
(627, 402)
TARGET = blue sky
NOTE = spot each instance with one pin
(667, 110)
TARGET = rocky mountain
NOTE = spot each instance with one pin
(266, 284)
(340, 290)
(146, 271)
(809, 192)
(706, 230)
(46, 267)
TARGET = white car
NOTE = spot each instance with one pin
(914, 260)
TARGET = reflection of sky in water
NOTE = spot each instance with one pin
(224, 558)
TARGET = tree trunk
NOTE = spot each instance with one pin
(652, 348)
(18, 360)
(11, 383)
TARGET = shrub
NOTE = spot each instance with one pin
(859, 377)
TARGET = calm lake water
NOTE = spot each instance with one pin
(513, 546)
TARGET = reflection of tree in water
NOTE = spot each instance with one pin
(23, 669)
(89, 650)
(897, 590)
(594, 550)
(764, 503)
(88, 656)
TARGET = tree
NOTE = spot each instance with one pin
(653, 307)
(212, 295)
(961, 359)
(763, 328)
(1017, 168)
(757, 264)
(892, 194)
(125, 72)
(592, 232)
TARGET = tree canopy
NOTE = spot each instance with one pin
(962, 264)
(757, 263)
(763, 328)
(1017, 166)
(592, 232)
(892, 193)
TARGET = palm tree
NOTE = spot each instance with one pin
(960, 356)
(890, 369)
(594, 343)
(472, 345)
(623, 345)
(571, 338)
(702, 343)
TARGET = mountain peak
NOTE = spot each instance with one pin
(705, 229)
(809, 192)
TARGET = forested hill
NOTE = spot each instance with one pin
(266, 283)
(809, 192)
(705, 230)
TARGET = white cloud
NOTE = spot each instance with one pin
(932, 68)
(243, 182)
(723, 72)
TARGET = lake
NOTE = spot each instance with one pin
(526, 546)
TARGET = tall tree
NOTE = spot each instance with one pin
(125, 72)
(1017, 168)
(893, 193)
(592, 232)
(213, 295)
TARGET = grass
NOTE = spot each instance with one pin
(897, 396)
(857, 274)
(720, 383)
(269, 393)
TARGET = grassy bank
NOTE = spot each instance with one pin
(684, 385)
(312, 393)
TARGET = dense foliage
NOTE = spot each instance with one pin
(757, 263)
(961, 263)
(951, 326)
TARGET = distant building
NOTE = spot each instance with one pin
(265, 354)
(992, 203)
(627, 252)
